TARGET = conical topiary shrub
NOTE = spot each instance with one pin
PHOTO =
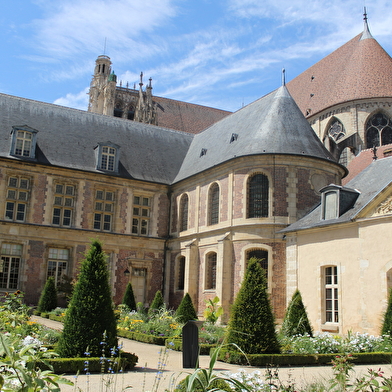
(90, 323)
(129, 298)
(252, 326)
(186, 311)
(48, 299)
(157, 303)
(387, 322)
(296, 320)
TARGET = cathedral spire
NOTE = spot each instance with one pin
(366, 32)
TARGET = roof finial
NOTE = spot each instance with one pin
(141, 79)
(283, 77)
(366, 32)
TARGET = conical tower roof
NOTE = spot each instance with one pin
(360, 69)
(271, 125)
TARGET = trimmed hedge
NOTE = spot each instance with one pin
(236, 357)
(75, 365)
(176, 345)
(142, 337)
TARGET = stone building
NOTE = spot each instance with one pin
(347, 97)
(184, 210)
(105, 97)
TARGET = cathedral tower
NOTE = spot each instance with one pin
(102, 87)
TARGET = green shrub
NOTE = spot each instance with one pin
(296, 320)
(186, 310)
(129, 298)
(157, 303)
(90, 317)
(251, 326)
(387, 321)
(48, 299)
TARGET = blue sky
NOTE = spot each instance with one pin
(220, 53)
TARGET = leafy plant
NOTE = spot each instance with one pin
(20, 371)
(251, 325)
(296, 321)
(212, 312)
(186, 311)
(90, 313)
(209, 380)
(48, 299)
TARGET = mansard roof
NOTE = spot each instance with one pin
(271, 125)
(67, 138)
(370, 183)
(359, 69)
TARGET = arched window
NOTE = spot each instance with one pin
(210, 277)
(180, 281)
(336, 130)
(213, 205)
(184, 204)
(378, 127)
(258, 188)
(261, 255)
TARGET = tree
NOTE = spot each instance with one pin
(129, 298)
(90, 323)
(296, 320)
(157, 303)
(48, 299)
(252, 326)
(186, 311)
(387, 322)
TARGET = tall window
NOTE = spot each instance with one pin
(213, 205)
(331, 294)
(104, 209)
(141, 215)
(379, 127)
(17, 199)
(210, 282)
(108, 156)
(184, 204)
(23, 142)
(258, 188)
(9, 265)
(57, 263)
(63, 204)
(262, 256)
(180, 273)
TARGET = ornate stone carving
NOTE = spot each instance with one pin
(384, 208)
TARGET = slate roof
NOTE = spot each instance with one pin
(186, 117)
(67, 137)
(271, 125)
(359, 69)
(370, 182)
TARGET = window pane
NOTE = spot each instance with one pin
(258, 189)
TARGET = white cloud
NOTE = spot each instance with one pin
(76, 101)
(70, 27)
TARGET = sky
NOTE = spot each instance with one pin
(219, 53)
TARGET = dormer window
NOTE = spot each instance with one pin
(23, 141)
(336, 201)
(107, 157)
